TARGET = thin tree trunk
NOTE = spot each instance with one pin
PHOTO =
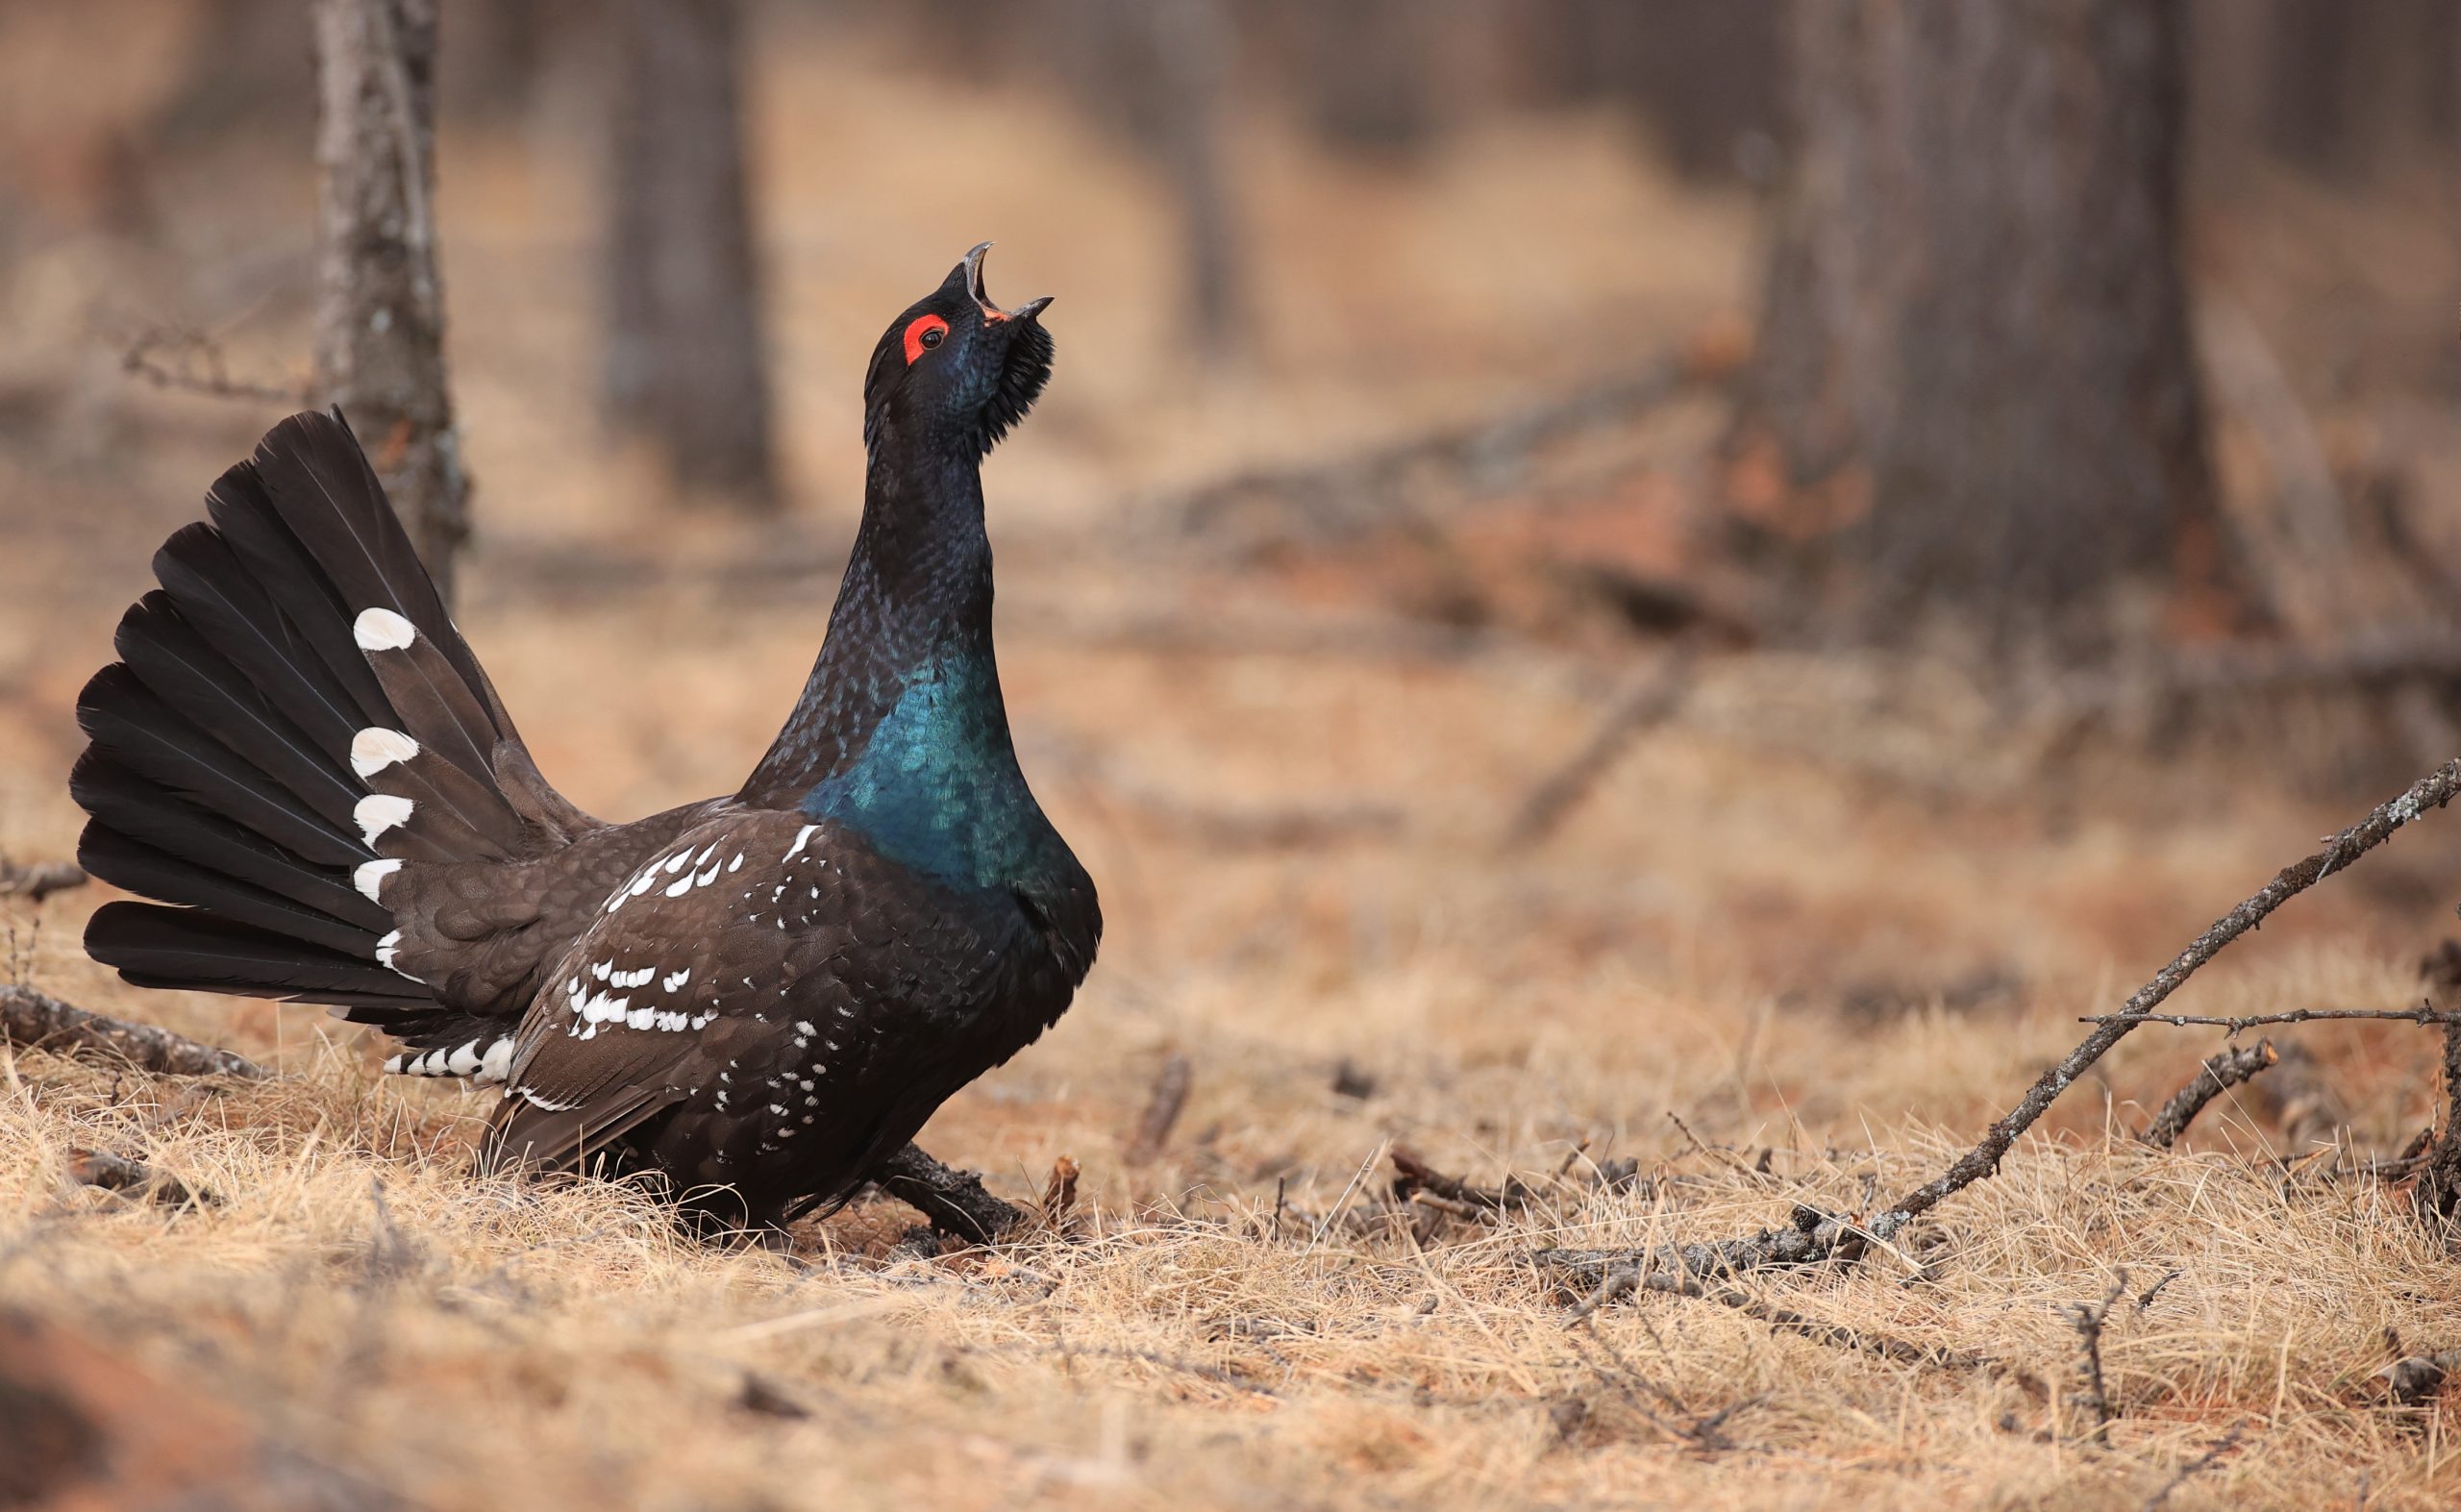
(380, 313)
(683, 364)
(1193, 38)
(1975, 344)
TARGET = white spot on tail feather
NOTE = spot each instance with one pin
(381, 629)
(374, 749)
(370, 876)
(379, 813)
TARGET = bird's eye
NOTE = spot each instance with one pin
(922, 334)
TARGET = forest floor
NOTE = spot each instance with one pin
(1799, 942)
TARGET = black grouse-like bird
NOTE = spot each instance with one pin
(761, 995)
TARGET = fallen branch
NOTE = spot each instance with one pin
(41, 881)
(1163, 1111)
(1625, 1279)
(2220, 1072)
(32, 1020)
(2419, 1379)
(1414, 1179)
(1349, 494)
(99, 1168)
(954, 1200)
(1651, 700)
(1812, 1238)
(2432, 792)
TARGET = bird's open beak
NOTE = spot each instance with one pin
(991, 312)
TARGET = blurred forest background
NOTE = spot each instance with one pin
(2066, 337)
(1584, 559)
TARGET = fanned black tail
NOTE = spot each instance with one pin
(293, 719)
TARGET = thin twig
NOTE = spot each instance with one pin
(1648, 701)
(2422, 1014)
(2219, 1072)
(33, 1020)
(2195, 1466)
(2432, 792)
(196, 367)
(1161, 1111)
(39, 881)
(2089, 1318)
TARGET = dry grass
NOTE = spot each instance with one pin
(1773, 918)
(477, 1344)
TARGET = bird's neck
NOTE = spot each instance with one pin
(907, 662)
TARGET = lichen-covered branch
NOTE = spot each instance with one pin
(32, 1020)
(2219, 1074)
(2432, 792)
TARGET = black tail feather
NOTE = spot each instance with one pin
(130, 806)
(253, 755)
(128, 723)
(176, 664)
(157, 947)
(158, 874)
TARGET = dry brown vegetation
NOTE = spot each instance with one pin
(1831, 915)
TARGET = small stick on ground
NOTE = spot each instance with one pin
(2195, 1468)
(1059, 1193)
(32, 1020)
(1648, 701)
(1414, 1176)
(1627, 1279)
(954, 1200)
(134, 1179)
(1163, 1111)
(2096, 1398)
(40, 880)
(2220, 1072)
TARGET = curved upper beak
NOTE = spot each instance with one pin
(971, 268)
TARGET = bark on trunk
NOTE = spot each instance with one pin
(1975, 349)
(380, 315)
(683, 366)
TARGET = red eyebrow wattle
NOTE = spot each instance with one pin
(922, 325)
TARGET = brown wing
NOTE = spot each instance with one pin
(747, 969)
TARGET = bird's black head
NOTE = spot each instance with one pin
(955, 369)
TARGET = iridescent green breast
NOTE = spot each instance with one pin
(937, 788)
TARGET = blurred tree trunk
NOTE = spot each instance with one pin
(682, 365)
(1975, 352)
(1365, 71)
(1193, 42)
(380, 311)
(1156, 72)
